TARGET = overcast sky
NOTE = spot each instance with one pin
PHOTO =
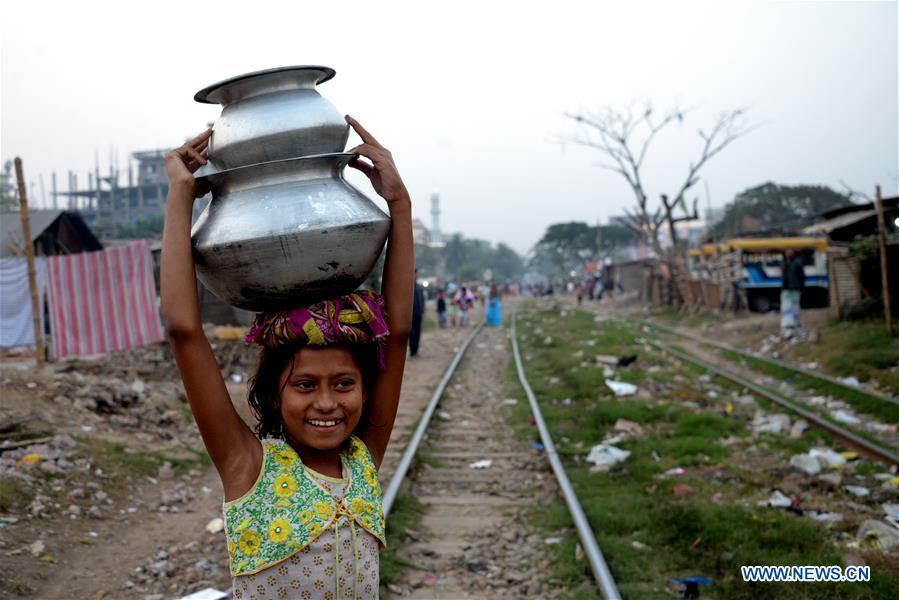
(470, 96)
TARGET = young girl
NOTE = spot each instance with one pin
(302, 502)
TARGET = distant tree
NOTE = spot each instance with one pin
(624, 137)
(776, 208)
(506, 264)
(567, 246)
(467, 259)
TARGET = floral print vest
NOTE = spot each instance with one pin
(286, 509)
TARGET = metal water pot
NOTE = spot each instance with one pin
(285, 233)
(272, 115)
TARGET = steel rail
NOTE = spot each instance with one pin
(853, 439)
(402, 468)
(772, 361)
(588, 541)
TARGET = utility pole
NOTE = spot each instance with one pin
(29, 257)
(884, 271)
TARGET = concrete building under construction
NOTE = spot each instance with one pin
(107, 205)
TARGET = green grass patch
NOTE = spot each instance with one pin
(711, 532)
(14, 494)
(119, 460)
(405, 514)
(860, 348)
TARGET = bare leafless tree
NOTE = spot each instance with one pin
(624, 137)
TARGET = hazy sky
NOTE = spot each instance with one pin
(469, 96)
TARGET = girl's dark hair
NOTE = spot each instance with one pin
(264, 390)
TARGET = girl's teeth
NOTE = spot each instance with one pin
(323, 423)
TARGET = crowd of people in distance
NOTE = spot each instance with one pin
(455, 305)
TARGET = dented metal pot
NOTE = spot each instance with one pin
(285, 233)
(273, 115)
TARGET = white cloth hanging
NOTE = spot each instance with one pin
(16, 326)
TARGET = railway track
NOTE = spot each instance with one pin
(848, 437)
(875, 449)
(851, 389)
(478, 482)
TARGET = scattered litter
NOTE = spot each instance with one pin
(552, 540)
(688, 587)
(878, 534)
(770, 423)
(538, 446)
(629, 427)
(481, 464)
(811, 366)
(604, 456)
(608, 371)
(806, 463)
(834, 479)
(138, 386)
(578, 552)
(798, 428)
(777, 500)
(845, 417)
(236, 377)
(705, 378)
(850, 381)
(682, 489)
(547, 340)
(509, 402)
(553, 381)
(823, 516)
(717, 497)
(626, 361)
(675, 471)
(857, 490)
(712, 394)
(444, 416)
(639, 546)
(621, 388)
(566, 402)
(605, 359)
(827, 457)
(215, 525)
(36, 548)
(891, 510)
(29, 459)
(207, 594)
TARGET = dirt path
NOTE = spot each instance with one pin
(151, 539)
(475, 542)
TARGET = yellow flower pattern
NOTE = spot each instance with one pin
(285, 486)
(248, 542)
(279, 530)
(322, 510)
(287, 510)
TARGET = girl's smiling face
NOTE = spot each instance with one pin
(322, 394)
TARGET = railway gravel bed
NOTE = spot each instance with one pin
(476, 486)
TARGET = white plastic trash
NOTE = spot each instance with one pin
(481, 464)
(604, 456)
(620, 388)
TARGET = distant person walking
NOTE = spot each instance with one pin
(463, 304)
(494, 308)
(441, 309)
(793, 276)
(418, 311)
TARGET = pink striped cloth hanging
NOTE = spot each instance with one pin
(103, 301)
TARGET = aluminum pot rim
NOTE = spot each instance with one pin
(203, 95)
(202, 175)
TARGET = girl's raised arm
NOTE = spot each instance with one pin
(234, 449)
(396, 288)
